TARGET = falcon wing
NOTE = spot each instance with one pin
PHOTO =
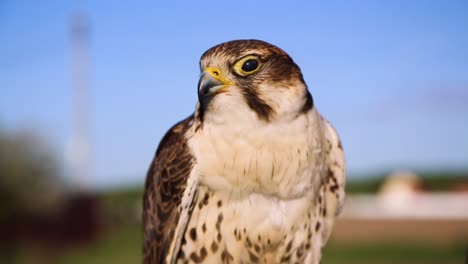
(335, 179)
(168, 196)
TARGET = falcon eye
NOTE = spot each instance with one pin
(250, 65)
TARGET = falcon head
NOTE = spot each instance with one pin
(250, 79)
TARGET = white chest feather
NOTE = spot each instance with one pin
(278, 159)
(262, 179)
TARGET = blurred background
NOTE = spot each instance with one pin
(88, 88)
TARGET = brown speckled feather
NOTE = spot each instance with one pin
(335, 179)
(267, 176)
(166, 182)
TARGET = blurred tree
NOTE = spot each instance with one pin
(30, 188)
(29, 174)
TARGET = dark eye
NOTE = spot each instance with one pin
(250, 65)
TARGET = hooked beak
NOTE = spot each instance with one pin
(208, 85)
(211, 83)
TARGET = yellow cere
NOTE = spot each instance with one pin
(215, 73)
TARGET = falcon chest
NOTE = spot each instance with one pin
(256, 190)
(276, 159)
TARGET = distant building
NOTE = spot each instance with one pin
(403, 195)
(400, 188)
(401, 183)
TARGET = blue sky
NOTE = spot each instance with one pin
(391, 76)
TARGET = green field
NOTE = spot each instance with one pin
(392, 253)
(120, 240)
(117, 247)
(124, 247)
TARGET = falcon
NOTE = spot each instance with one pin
(254, 175)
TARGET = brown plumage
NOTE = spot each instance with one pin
(255, 175)
(278, 69)
(165, 184)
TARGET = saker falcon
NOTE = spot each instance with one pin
(255, 175)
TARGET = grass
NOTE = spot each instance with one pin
(117, 247)
(384, 253)
(124, 246)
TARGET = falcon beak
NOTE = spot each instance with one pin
(211, 83)
(208, 85)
